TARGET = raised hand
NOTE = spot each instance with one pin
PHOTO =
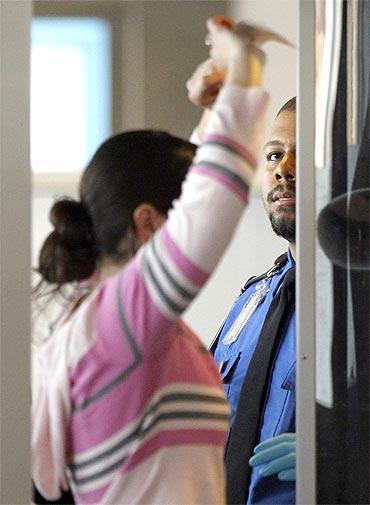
(233, 51)
(236, 48)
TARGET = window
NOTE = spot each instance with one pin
(71, 101)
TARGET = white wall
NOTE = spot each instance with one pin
(169, 44)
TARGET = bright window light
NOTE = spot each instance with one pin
(70, 91)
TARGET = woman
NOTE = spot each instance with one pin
(130, 408)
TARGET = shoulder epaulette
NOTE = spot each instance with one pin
(280, 261)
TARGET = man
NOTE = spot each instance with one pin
(234, 351)
(259, 380)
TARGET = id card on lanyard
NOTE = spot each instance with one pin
(248, 309)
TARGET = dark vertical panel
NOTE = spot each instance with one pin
(343, 431)
(331, 432)
(359, 387)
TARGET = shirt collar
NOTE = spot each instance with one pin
(290, 261)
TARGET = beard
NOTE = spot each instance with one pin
(282, 221)
(284, 226)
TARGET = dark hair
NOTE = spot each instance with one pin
(289, 106)
(69, 252)
(126, 170)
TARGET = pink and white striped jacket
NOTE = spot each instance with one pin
(130, 408)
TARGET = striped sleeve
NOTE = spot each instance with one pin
(169, 271)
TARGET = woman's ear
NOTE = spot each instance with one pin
(147, 219)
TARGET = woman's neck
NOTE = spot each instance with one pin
(109, 268)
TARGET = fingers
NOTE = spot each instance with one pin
(277, 455)
(220, 21)
(287, 475)
(278, 465)
(231, 47)
(272, 453)
(235, 48)
(224, 21)
(259, 35)
(273, 441)
(244, 32)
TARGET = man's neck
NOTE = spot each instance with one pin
(292, 249)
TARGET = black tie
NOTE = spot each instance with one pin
(245, 429)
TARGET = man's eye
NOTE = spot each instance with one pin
(273, 156)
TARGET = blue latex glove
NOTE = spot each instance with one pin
(276, 455)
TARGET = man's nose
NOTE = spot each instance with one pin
(286, 168)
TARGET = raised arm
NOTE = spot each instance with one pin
(203, 87)
(157, 286)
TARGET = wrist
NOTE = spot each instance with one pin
(245, 68)
(202, 125)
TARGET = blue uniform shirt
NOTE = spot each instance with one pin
(279, 409)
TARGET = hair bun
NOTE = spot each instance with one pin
(72, 223)
(69, 253)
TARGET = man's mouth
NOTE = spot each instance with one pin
(284, 199)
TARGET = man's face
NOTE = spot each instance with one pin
(278, 184)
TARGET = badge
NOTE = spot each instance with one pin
(247, 311)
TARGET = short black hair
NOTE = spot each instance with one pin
(289, 106)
